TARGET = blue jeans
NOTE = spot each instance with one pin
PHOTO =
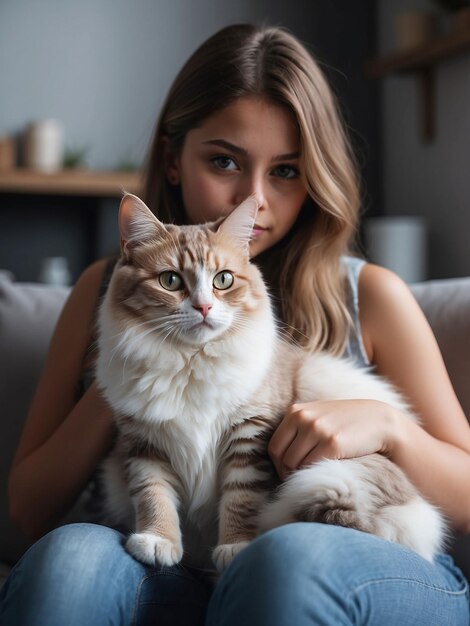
(301, 574)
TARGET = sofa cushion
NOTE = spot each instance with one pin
(28, 313)
(446, 304)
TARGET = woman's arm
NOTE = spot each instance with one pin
(61, 443)
(401, 344)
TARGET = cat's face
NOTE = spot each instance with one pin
(188, 284)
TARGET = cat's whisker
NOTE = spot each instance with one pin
(163, 327)
(177, 247)
(117, 348)
(158, 324)
(240, 325)
(167, 335)
(283, 332)
(174, 248)
(142, 336)
(144, 323)
(111, 357)
(124, 364)
(124, 331)
(173, 336)
(93, 348)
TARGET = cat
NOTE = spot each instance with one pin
(192, 361)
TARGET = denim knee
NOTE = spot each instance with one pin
(309, 573)
(312, 547)
(75, 551)
(273, 580)
(323, 552)
(73, 571)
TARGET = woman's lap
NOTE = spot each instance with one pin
(302, 573)
(81, 574)
(308, 574)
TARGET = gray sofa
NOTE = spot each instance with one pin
(28, 313)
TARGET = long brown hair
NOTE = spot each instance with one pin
(304, 270)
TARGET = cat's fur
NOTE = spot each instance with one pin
(196, 404)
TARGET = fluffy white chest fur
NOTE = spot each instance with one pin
(185, 399)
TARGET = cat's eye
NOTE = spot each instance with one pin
(223, 280)
(171, 281)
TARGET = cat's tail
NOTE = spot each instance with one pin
(345, 493)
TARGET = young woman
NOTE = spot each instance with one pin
(251, 112)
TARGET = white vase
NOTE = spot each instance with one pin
(44, 145)
(398, 243)
(55, 271)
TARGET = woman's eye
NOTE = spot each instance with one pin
(224, 163)
(171, 281)
(286, 171)
(223, 280)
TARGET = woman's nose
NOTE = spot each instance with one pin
(253, 187)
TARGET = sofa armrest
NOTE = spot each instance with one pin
(28, 314)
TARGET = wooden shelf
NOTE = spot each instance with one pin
(422, 61)
(70, 182)
(423, 57)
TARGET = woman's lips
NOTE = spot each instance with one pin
(257, 231)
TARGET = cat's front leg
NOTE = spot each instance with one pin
(237, 524)
(248, 478)
(153, 488)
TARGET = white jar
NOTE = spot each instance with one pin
(398, 242)
(44, 145)
(55, 271)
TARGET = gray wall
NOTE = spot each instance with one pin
(100, 66)
(103, 67)
(430, 180)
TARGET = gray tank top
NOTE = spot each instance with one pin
(355, 347)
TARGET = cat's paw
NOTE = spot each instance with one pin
(154, 550)
(224, 554)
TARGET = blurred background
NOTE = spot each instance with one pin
(82, 83)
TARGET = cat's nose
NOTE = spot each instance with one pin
(203, 308)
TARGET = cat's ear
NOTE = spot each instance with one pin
(137, 223)
(239, 224)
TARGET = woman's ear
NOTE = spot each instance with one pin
(171, 163)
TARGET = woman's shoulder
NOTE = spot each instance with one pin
(78, 312)
(92, 276)
(387, 308)
(380, 287)
(90, 284)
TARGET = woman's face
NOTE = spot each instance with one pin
(250, 147)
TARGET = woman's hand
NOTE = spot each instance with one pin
(336, 429)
